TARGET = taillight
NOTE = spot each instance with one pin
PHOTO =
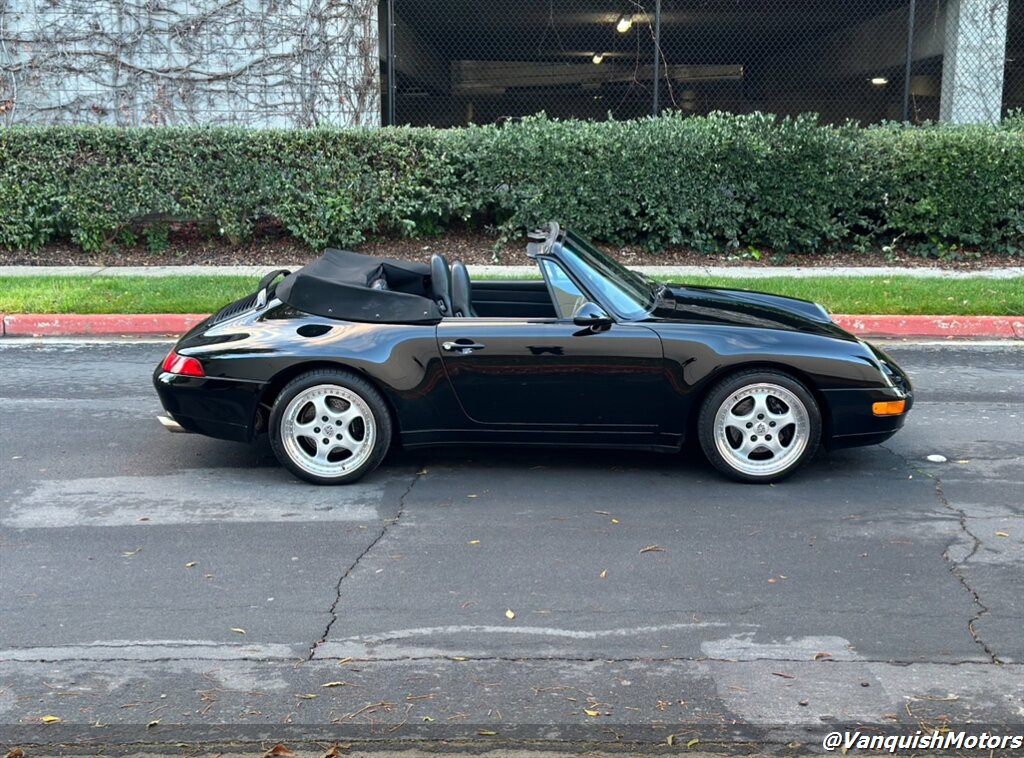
(183, 365)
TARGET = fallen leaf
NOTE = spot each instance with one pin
(615, 521)
(604, 574)
(472, 496)
(819, 656)
(460, 658)
(15, 752)
(652, 549)
(130, 553)
(152, 723)
(1002, 534)
(237, 630)
(191, 564)
(473, 542)
(346, 659)
(602, 513)
(589, 712)
(278, 750)
(428, 719)
(692, 742)
(306, 696)
(338, 684)
(510, 614)
(486, 733)
(51, 719)
(772, 580)
(671, 740)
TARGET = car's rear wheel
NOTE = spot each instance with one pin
(759, 426)
(330, 427)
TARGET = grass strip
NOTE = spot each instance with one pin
(893, 295)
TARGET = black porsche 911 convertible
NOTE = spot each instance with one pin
(352, 353)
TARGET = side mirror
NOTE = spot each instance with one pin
(592, 315)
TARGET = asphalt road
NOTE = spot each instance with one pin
(194, 586)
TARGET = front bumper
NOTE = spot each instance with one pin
(851, 422)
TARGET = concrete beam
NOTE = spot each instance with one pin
(496, 76)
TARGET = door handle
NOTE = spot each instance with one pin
(461, 346)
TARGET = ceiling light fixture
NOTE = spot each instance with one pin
(624, 24)
(598, 57)
(878, 81)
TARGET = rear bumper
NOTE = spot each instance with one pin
(219, 408)
(850, 421)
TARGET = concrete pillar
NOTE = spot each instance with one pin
(973, 61)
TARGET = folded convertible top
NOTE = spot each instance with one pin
(355, 287)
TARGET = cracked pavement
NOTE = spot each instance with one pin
(149, 577)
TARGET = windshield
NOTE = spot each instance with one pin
(625, 291)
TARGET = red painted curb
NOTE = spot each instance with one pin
(173, 324)
(100, 324)
(992, 327)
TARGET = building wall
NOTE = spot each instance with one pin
(258, 63)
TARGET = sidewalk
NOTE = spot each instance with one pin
(680, 273)
(169, 325)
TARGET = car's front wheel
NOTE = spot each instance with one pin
(759, 426)
(330, 427)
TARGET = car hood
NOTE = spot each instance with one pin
(688, 304)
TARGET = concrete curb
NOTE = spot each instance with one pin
(969, 327)
(173, 324)
(98, 325)
(679, 273)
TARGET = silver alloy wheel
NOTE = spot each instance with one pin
(761, 429)
(328, 430)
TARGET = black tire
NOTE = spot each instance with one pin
(347, 447)
(780, 434)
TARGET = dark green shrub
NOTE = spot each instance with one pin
(712, 182)
(948, 185)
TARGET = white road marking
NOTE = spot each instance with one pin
(148, 650)
(741, 647)
(190, 497)
(538, 631)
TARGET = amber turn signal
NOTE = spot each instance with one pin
(889, 408)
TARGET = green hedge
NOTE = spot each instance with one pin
(710, 183)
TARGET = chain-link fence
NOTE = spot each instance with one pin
(478, 61)
(297, 63)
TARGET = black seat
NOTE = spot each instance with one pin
(441, 284)
(462, 291)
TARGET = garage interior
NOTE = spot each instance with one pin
(480, 61)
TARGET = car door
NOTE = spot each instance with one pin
(550, 372)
